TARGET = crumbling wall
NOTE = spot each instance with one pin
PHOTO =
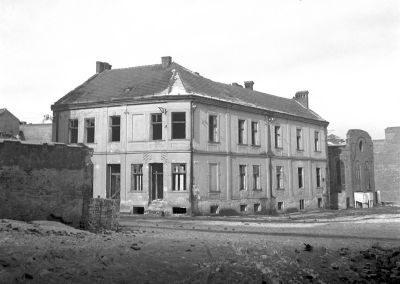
(102, 214)
(44, 181)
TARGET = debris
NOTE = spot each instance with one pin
(308, 247)
(135, 246)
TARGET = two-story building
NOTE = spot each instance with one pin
(164, 136)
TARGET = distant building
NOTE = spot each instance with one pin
(166, 137)
(351, 167)
(9, 123)
(387, 165)
(36, 132)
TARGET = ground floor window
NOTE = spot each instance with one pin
(113, 181)
(301, 204)
(178, 177)
(242, 177)
(256, 177)
(137, 177)
(319, 202)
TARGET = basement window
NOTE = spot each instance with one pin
(156, 125)
(213, 209)
(178, 125)
(243, 208)
(138, 210)
(115, 128)
(178, 210)
(73, 131)
(280, 205)
(257, 207)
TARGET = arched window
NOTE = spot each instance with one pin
(361, 146)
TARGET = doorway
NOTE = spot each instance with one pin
(113, 181)
(156, 182)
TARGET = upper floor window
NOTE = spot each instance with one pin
(254, 133)
(317, 146)
(156, 126)
(212, 128)
(278, 136)
(73, 131)
(178, 125)
(318, 176)
(115, 128)
(241, 131)
(137, 177)
(242, 177)
(89, 130)
(178, 177)
(299, 139)
(300, 177)
(256, 177)
(279, 177)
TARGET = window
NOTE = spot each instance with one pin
(319, 202)
(113, 181)
(115, 125)
(300, 177)
(256, 177)
(214, 209)
(279, 177)
(254, 133)
(241, 131)
(242, 175)
(280, 205)
(299, 139)
(89, 130)
(318, 174)
(178, 177)
(317, 146)
(212, 128)
(213, 177)
(301, 204)
(137, 177)
(243, 208)
(73, 131)
(257, 207)
(278, 137)
(178, 125)
(361, 146)
(156, 126)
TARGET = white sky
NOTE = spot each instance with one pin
(346, 53)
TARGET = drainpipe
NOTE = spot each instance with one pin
(269, 157)
(191, 195)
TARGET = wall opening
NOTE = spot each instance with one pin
(243, 208)
(301, 204)
(178, 210)
(280, 205)
(319, 202)
(214, 209)
(257, 207)
(138, 210)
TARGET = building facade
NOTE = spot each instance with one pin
(351, 167)
(387, 165)
(164, 136)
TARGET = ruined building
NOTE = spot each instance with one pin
(351, 167)
(166, 137)
(387, 165)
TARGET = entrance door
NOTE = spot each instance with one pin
(113, 181)
(156, 181)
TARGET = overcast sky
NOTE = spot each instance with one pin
(345, 53)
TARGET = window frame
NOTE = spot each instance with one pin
(209, 177)
(279, 178)
(278, 136)
(135, 175)
(257, 178)
(300, 177)
(242, 177)
(318, 176)
(156, 123)
(175, 123)
(213, 129)
(255, 134)
(317, 141)
(115, 126)
(299, 139)
(242, 132)
(301, 204)
(91, 127)
(73, 129)
(179, 173)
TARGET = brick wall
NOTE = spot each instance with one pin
(44, 181)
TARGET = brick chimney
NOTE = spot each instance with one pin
(101, 66)
(166, 61)
(249, 84)
(302, 98)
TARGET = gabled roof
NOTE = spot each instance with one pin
(158, 81)
(4, 111)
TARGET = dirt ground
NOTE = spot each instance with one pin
(350, 246)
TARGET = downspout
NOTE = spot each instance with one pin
(327, 172)
(269, 157)
(191, 195)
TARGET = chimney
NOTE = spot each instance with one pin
(249, 84)
(237, 85)
(101, 66)
(302, 98)
(166, 61)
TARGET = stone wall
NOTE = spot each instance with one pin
(36, 132)
(387, 165)
(44, 181)
(102, 214)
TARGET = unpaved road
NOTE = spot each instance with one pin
(352, 246)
